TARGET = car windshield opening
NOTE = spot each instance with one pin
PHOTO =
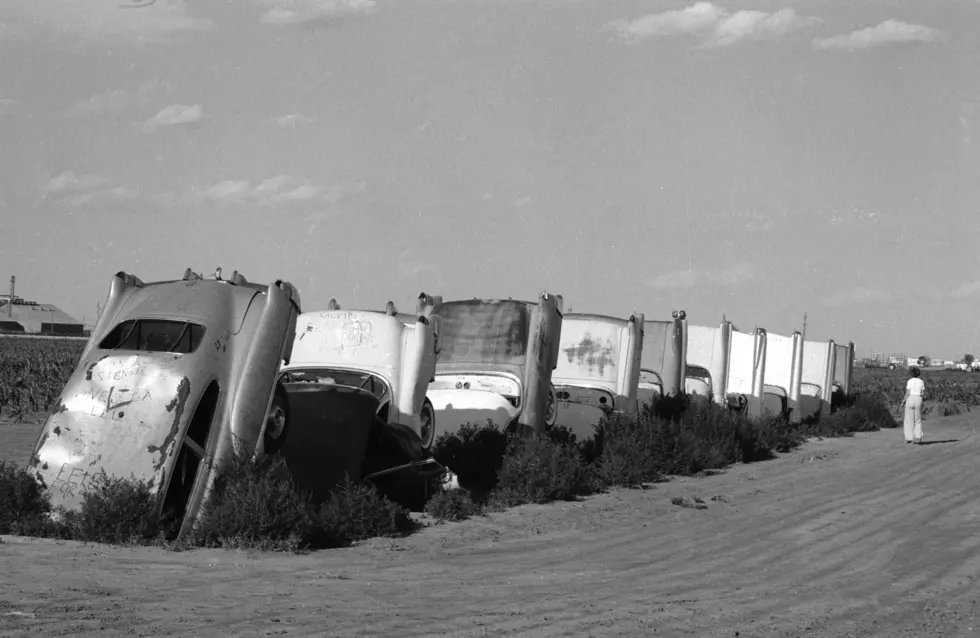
(155, 335)
(329, 376)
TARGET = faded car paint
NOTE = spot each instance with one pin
(598, 369)
(401, 353)
(662, 359)
(127, 412)
(113, 413)
(493, 338)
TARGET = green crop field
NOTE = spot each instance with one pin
(33, 373)
(947, 391)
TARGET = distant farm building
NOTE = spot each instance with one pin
(18, 316)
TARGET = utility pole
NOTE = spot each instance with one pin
(804, 326)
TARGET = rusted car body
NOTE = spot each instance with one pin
(177, 377)
(817, 378)
(598, 370)
(354, 394)
(783, 375)
(662, 362)
(495, 362)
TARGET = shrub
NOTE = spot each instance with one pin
(474, 453)
(23, 501)
(114, 510)
(356, 511)
(453, 505)
(628, 454)
(537, 469)
(258, 506)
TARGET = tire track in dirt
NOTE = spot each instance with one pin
(873, 538)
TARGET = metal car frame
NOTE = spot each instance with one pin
(353, 397)
(172, 408)
(516, 389)
(598, 370)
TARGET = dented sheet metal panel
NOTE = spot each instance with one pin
(457, 407)
(742, 363)
(662, 357)
(123, 416)
(843, 366)
(591, 351)
(483, 332)
(656, 345)
(779, 361)
(359, 339)
(207, 301)
(815, 367)
(707, 348)
(125, 411)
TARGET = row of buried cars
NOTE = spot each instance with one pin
(179, 377)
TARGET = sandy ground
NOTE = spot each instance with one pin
(864, 536)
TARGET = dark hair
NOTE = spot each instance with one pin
(914, 371)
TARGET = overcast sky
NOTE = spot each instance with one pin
(755, 159)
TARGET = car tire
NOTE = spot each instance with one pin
(551, 411)
(427, 425)
(276, 423)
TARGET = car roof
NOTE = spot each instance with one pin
(216, 304)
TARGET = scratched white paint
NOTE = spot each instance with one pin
(401, 353)
(779, 360)
(701, 346)
(840, 365)
(454, 408)
(815, 367)
(656, 340)
(741, 363)
(112, 422)
(589, 350)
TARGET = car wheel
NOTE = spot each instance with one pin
(551, 411)
(276, 423)
(427, 426)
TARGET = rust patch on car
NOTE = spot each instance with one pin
(91, 366)
(176, 406)
(590, 353)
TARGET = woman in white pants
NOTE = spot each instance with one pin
(915, 388)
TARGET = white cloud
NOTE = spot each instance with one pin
(7, 105)
(281, 189)
(888, 32)
(966, 291)
(677, 279)
(715, 24)
(759, 25)
(116, 101)
(734, 275)
(293, 12)
(77, 190)
(292, 119)
(139, 20)
(69, 182)
(174, 115)
(855, 295)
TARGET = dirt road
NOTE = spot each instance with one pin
(849, 537)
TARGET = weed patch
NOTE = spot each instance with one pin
(23, 500)
(452, 506)
(538, 469)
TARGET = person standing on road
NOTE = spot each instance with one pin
(915, 389)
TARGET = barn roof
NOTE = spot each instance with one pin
(32, 315)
